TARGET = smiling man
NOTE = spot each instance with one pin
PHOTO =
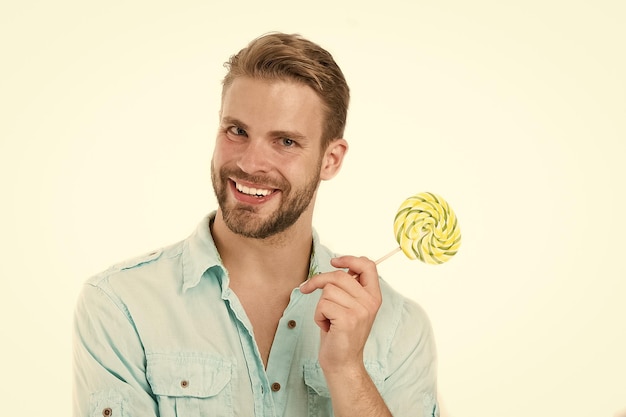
(251, 315)
(269, 156)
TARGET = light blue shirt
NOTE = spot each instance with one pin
(164, 335)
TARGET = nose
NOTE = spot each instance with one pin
(255, 157)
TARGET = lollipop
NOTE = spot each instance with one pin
(426, 228)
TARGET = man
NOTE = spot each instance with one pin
(251, 315)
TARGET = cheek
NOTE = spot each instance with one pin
(221, 152)
(301, 174)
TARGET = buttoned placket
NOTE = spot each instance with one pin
(283, 349)
(263, 402)
(268, 383)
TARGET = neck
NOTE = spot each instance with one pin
(280, 259)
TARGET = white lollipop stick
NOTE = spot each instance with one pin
(389, 255)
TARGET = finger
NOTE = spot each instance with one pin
(337, 278)
(327, 312)
(348, 294)
(319, 281)
(338, 295)
(361, 266)
(337, 307)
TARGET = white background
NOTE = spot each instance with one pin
(513, 111)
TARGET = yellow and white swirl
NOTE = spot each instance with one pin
(427, 229)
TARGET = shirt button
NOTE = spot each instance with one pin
(275, 387)
(107, 412)
(291, 324)
(184, 383)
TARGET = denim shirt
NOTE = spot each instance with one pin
(164, 335)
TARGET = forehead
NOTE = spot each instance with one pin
(274, 105)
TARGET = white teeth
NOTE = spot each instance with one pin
(259, 192)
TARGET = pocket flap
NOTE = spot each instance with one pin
(314, 379)
(187, 375)
(107, 403)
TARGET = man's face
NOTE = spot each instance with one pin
(266, 164)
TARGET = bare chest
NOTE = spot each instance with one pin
(264, 310)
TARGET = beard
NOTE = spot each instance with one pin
(243, 219)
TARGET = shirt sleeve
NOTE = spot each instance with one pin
(411, 386)
(109, 368)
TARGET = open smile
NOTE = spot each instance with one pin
(257, 192)
(248, 193)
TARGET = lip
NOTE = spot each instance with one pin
(250, 199)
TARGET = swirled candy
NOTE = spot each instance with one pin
(427, 229)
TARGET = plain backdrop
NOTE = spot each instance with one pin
(511, 110)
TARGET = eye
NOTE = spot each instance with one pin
(236, 130)
(286, 142)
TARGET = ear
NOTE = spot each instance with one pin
(333, 158)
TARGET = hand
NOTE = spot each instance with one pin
(345, 312)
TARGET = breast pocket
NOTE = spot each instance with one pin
(190, 385)
(318, 396)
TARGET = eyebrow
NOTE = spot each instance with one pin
(276, 133)
(232, 121)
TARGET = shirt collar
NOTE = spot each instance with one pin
(200, 254)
